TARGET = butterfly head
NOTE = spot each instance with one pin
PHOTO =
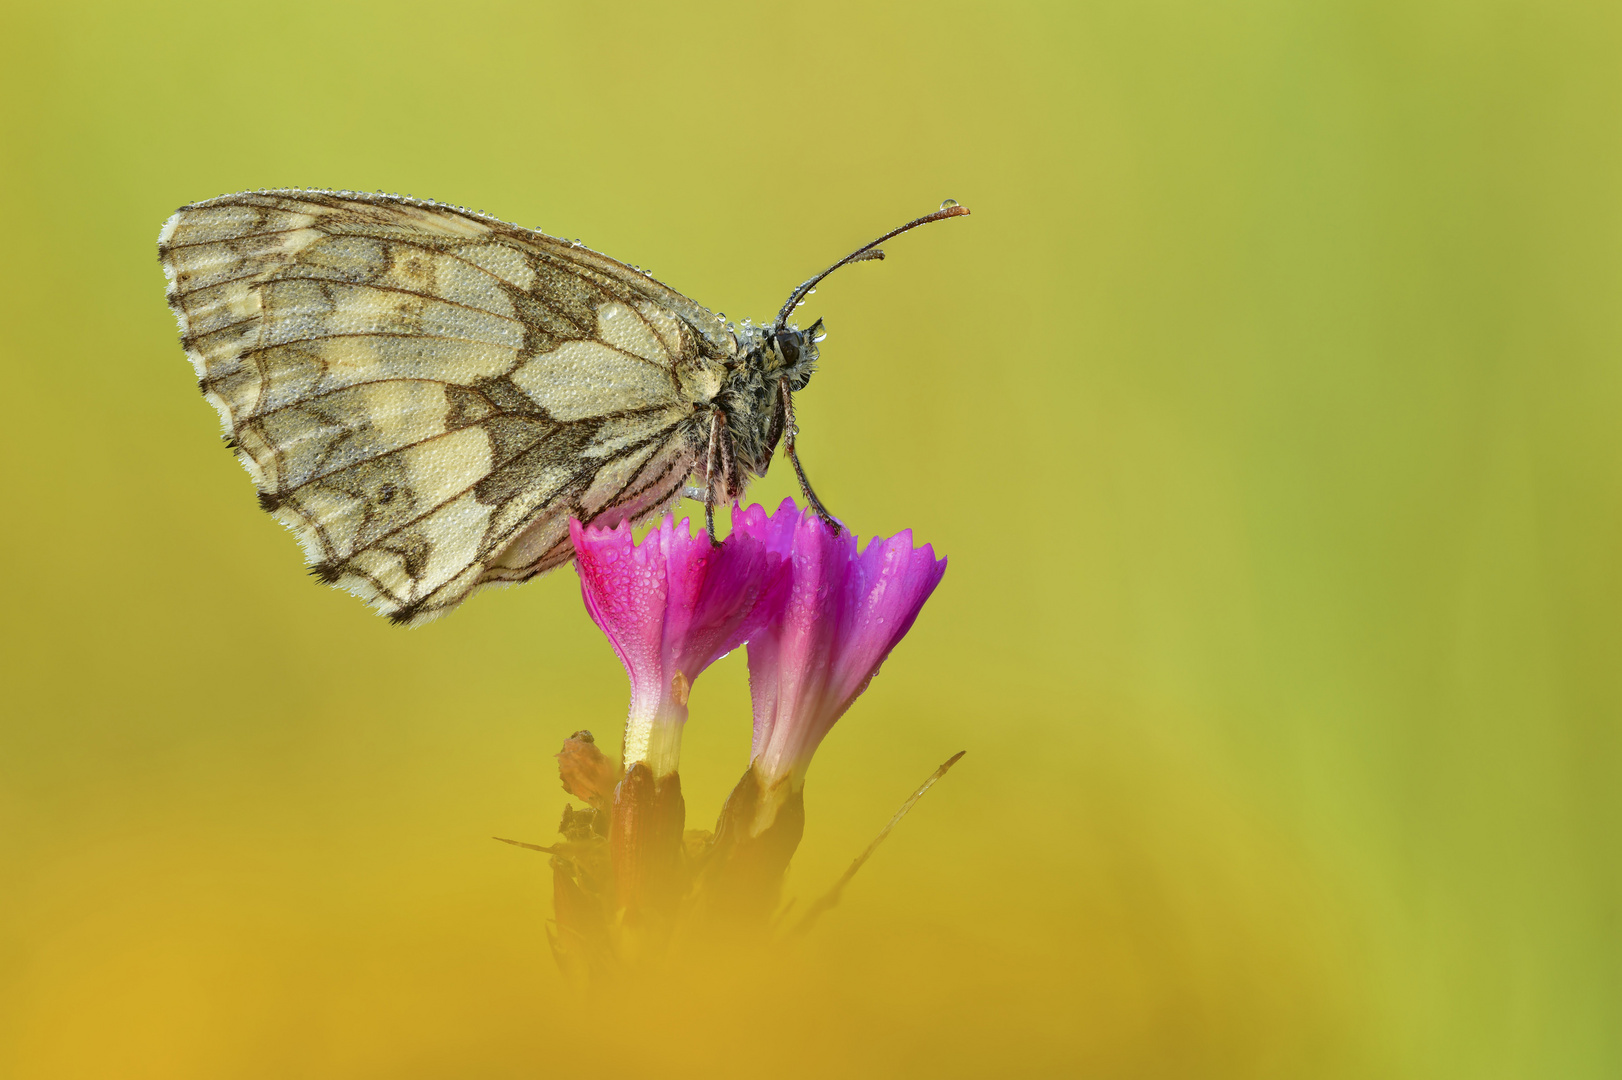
(793, 353)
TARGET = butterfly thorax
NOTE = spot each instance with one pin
(770, 364)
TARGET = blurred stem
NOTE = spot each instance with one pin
(756, 836)
(832, 896)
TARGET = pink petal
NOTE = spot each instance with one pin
(845, 611)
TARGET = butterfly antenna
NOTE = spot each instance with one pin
(949, 209)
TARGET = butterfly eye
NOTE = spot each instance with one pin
(788, 343)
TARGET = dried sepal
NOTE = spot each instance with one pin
(587, 773)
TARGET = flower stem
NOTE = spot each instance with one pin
(653, 732)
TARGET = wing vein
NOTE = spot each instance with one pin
(408, 292)
(538, 414)
(241, 236)
(374, 334)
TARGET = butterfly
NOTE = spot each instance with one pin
(425, 395)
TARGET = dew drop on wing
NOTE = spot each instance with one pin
(947, 204)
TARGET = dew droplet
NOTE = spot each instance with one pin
(947, 204)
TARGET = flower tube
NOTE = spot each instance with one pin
(671, 606)
(846, 609)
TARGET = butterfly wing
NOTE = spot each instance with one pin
(424, 395)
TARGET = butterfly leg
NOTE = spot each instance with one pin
(790, 430)
(712, 466)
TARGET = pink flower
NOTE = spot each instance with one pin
(671, 606)
(844, 611)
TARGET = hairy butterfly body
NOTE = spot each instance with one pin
(426, 395)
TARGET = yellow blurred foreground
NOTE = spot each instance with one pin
(1267, 409)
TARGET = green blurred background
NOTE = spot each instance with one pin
(1267, 408)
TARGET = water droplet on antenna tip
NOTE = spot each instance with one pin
(947, 204)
